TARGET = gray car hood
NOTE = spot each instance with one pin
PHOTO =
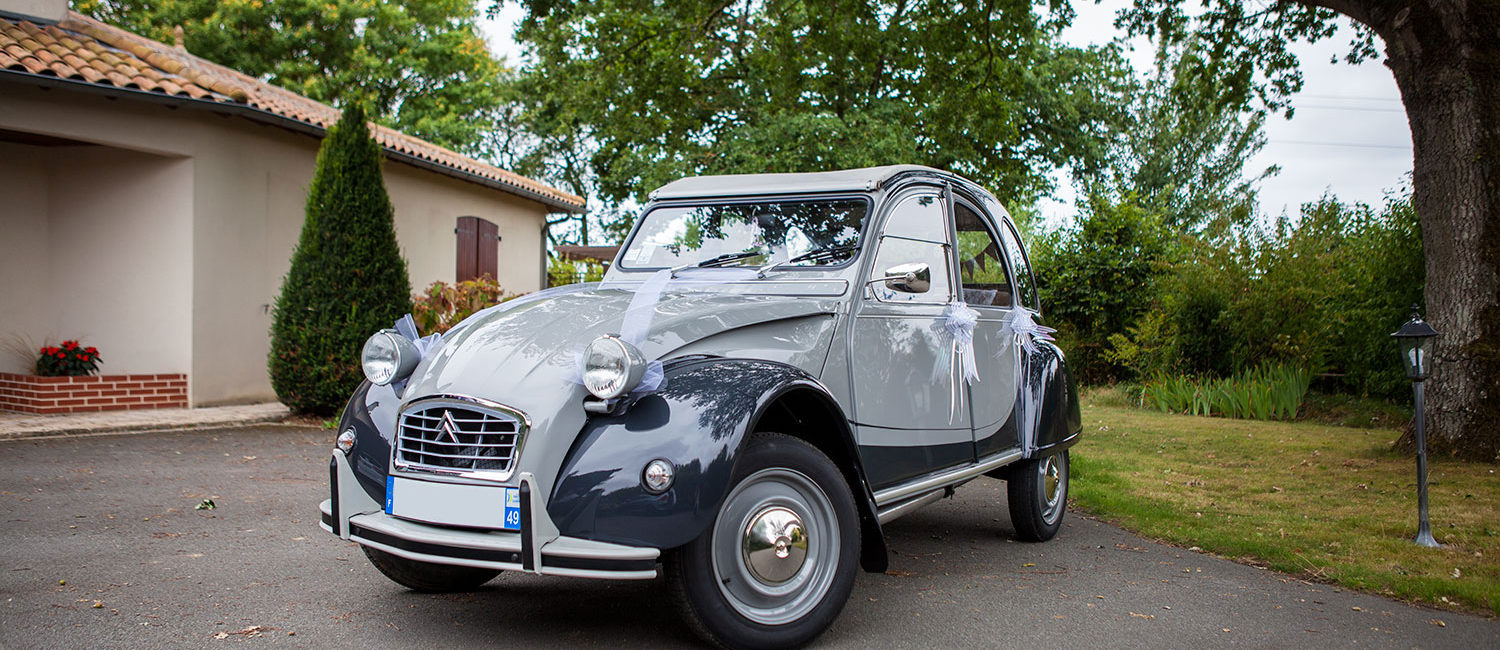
(527, 356)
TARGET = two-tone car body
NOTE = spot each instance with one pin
(774, 367)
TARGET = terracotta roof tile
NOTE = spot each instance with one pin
(92, 52)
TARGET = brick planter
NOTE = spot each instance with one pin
(42, 395)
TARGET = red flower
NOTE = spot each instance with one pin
(69, 345)
(91, 350)
(60, 355)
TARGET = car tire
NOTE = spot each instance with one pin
(1038, 493)
(426, 576)
(776, 566)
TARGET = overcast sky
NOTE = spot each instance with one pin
(1349, 136)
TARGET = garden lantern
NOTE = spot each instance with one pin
(1416, 352)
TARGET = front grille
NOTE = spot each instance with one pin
(458, 437)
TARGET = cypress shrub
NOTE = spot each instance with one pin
(347, 278)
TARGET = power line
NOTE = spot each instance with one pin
(1361, 98)
(1352, 108)
(1342, 144)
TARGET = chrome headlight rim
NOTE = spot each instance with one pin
(612, 367)
(388, 357)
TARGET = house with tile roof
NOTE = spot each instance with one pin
(152, 200)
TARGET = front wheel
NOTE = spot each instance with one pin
(1038, 493)
(426, 576)
(777, 565)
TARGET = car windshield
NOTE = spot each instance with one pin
(787, 233)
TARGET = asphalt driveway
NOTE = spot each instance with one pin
(102, 547)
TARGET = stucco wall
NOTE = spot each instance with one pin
(97, 248)
(244, 190)
(45, 9)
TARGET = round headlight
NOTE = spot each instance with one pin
(387, 357)
(611, 367)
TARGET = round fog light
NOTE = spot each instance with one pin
(658, 475)
(345, 441)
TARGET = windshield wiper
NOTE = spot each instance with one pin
(716, 261)
(814, 255)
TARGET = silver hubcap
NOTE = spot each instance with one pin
(775, 546)
(1054, 488)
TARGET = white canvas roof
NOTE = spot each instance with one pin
(867, 178)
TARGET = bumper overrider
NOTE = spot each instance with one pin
(537, 547)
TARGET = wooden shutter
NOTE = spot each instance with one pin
(487, 250)
(468, 250)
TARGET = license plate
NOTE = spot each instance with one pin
(453, 504)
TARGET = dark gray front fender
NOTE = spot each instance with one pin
(699, 422)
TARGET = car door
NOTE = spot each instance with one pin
(909, 410)
(987, 286)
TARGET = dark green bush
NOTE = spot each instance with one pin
(1322, 292)
(347, 279)
(1098, 278)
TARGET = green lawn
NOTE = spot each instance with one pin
(1326, 503)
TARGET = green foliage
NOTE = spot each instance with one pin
(422, 67)
(1323, 292)
(347, 279)
(1097, 278)
(662, 90)
(1183, 151)
(561, 271)
(1272, 392)
(441, 306)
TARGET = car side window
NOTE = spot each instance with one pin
(981, 265)
(1025, 283)
(914, 233)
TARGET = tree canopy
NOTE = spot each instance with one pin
(420, 67)
(665, 90)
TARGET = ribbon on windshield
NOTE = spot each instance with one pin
(1027, 330)
(955, 328)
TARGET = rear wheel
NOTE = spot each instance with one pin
(426, 576)
(1038, 493)
(777, 565)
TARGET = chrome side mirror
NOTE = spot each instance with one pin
(915, 277)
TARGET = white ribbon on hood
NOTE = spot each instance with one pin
(407, 327)
(635, 323)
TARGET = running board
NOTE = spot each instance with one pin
(898, 493)
(888, 515)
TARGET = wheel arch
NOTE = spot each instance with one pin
(807, 411)
(700, 421)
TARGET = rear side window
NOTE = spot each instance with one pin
(981, 265)
(1025, 288)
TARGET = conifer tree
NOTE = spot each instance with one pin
(347, 279)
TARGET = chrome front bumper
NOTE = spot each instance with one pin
(351, 514)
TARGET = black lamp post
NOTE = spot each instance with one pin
(1416, 352)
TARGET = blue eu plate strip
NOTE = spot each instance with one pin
(512, 509)
(390, 493)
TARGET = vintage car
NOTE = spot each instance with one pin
(775, 367)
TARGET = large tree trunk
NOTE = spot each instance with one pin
(1446, 58)
(1445, 55)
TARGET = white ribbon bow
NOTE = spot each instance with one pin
(1027, 330)
(956, 331)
